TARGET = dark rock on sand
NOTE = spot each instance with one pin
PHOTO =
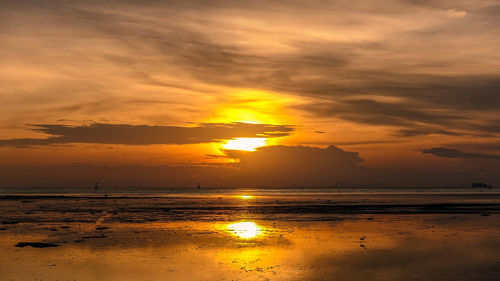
(35, 245)
(101, 228)
(10, 222)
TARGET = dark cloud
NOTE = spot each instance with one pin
(409, 117)
(491, 14)
(493, 146)
(369, 142)
(425, 131)
(381, 113)
(455, 153)
(298, 166)
(146, 135)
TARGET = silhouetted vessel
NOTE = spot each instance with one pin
(480, 184)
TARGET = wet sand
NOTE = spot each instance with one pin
(426, 236)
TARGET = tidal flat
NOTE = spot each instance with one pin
(251, 236)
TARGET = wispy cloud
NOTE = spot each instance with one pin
(456, 14)
(317, 55)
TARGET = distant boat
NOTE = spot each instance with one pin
(480, 184)
(96, 187)
(199, 186)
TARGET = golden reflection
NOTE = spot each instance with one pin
(247, 144)
(245, 229)
(245, 197)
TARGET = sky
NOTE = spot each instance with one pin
(249, 93)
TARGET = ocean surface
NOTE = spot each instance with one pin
(169, 191)
(249, 234)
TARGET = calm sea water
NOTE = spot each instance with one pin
(352, 234)
(164, 191)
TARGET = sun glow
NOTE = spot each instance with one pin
(251, 106)
(245, 230)
(247, 144)
(245, 197)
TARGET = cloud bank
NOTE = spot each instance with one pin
(278, 166)
(147, 135)
(274, 166)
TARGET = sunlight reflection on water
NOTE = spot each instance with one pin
(245, 230)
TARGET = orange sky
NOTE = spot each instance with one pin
(330, 92)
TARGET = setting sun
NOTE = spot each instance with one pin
(244, 230)
(247, 144)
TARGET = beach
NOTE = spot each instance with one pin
(251, 235)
